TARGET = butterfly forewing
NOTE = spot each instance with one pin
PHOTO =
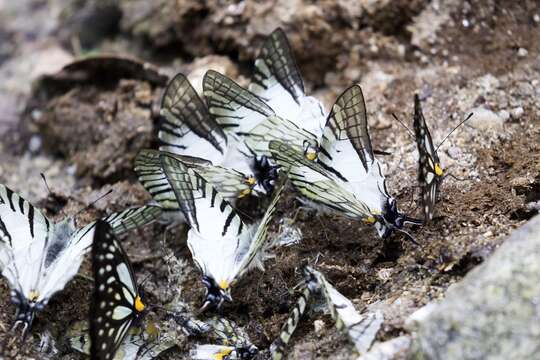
(346, 146)
(427, 175)
(237, 110)
(316, 183)
(116, 302)
(132, 218)
(276, 128)
(276, 77)
(186, 127)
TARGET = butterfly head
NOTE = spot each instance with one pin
(266, 174)
(391, 219)
(26, 308)
(216, 293)
(251, 182)
(311, 150)
(246, 352)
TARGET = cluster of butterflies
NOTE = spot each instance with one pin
(237, 143)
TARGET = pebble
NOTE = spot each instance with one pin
(319, 326)
(34, 145)
(504, 114)
(484, 119)
(516, 113)
(522, 52)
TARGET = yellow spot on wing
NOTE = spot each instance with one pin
(139, 306)
(251, 181)
(222, 353)
(438, 170)
(369, 220)
(244, 192)
(311, 156)
(224, 284)
(33, 296)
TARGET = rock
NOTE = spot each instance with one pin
(200, 66)
(388, 350)
(492, 313)
(485, 119)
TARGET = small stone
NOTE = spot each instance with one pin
(522, 52)
(536, 18)
(504, 114)
(516, 112)
(319, 326)
(484, 119)
(34, 145)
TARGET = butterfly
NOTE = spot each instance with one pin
(360, 328)
(278, 347)
(430, 172)
(222, 245)
(37, 256)
(340, 173)
(276, 89)
(234, 342)
(116, 301)
(139, 344)
(273, 107)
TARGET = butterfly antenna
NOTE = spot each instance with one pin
(450, 133)
(93, 202)
(50, 192)
(411, 134)
(408, 236)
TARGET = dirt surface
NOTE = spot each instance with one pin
(83, 126)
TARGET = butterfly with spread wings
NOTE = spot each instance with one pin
(116, 302)
(37, 256)
(222, 245)
(341, 174)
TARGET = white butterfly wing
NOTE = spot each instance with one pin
(237, 110)
(212, 352)
(276, 78)
(187, 128)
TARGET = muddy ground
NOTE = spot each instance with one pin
(82, 127)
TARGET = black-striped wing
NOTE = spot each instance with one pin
(276, 128)
(346, 137)
(116, 303)
(132, 218)
(237, 110)
(360, 328)
(430, 173)
(186, 127)
(316, 183)
(277, 78)
(279, 346)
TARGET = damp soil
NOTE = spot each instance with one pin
(83, 125)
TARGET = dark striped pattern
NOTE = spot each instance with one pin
(225, 98)
(327, 192)
(278, 347)
(184, 112)
(275, 63)
(129, 219)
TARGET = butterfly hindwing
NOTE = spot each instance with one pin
(116, 303)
